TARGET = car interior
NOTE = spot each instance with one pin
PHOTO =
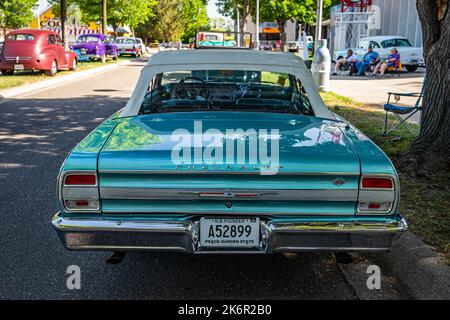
(226, 90)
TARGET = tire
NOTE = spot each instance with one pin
(7, 72)
(116, 56)
(103, 58)
(53, 69)
(411, 68)
(74, 65)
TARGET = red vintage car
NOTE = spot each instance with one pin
(33, 49)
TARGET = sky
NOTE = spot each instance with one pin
(212, 9)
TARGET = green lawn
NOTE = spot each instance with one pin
(425, 200)
(25, 77)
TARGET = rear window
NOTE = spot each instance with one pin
(127, 41)
(21, 37)
(226, 90)
(87, 39)
(395, 43)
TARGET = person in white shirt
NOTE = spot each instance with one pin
(346, 62)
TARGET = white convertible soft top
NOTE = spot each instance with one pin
(225, 59)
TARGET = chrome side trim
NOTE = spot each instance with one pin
(195, 194)
(193, 171)
(80, 193)
(379, 196)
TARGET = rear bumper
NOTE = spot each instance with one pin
(87, 57)
(26, 65)
(182, 235)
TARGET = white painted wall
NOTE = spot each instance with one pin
(399, 17)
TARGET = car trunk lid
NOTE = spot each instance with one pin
(316, 170)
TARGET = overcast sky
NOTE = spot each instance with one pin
(212, 10)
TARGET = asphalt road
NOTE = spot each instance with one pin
(36, 133)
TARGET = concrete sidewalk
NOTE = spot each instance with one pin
(373, 91)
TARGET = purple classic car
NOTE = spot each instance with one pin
(95, 47)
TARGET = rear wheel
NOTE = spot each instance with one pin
(411, 68)
(116, 55)
(53, 69)
(7, 72)
(74, 65)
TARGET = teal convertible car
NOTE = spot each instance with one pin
(227, 151)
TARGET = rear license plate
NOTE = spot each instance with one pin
(229, 232)
(18, 67)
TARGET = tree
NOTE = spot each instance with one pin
(15, 14)
(174, 20)
(229, 7)
(282, 11)
(119, 12)
(104, 16)
(195, 18)
(433, 142)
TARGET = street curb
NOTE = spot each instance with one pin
(53, 82)
(421, 270)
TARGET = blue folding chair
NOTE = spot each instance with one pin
(399, 111)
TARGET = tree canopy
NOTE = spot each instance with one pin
(174, 20)
(120, 12)
(15, 13)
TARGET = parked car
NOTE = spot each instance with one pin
(95, 47)
(265, 45)
(32, 49)
(293, 46)
(410, 57)
(184, 166)
(130, 46)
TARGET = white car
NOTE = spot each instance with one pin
(130, 45)
(410, 57)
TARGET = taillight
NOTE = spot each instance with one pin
(80, 179)
(79, 192)
(377, 183)
(377, 195)
(374, 207)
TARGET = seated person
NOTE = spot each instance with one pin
(369, 58)
(346, 62)
(391, 62)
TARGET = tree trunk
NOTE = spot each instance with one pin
(64, 24)
(104, 16)
(431, 150)
(243, 19)
(435, 122)
(282, 25)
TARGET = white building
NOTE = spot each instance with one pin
(384, 17)
(399, 17)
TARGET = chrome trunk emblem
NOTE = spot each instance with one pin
(339, 181)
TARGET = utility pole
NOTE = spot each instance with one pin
(64, 24)
(257, 25)
(36, 7)
(104, 16)
(237, 26)
(318, 34)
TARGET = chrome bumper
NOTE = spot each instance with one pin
(182, 236)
